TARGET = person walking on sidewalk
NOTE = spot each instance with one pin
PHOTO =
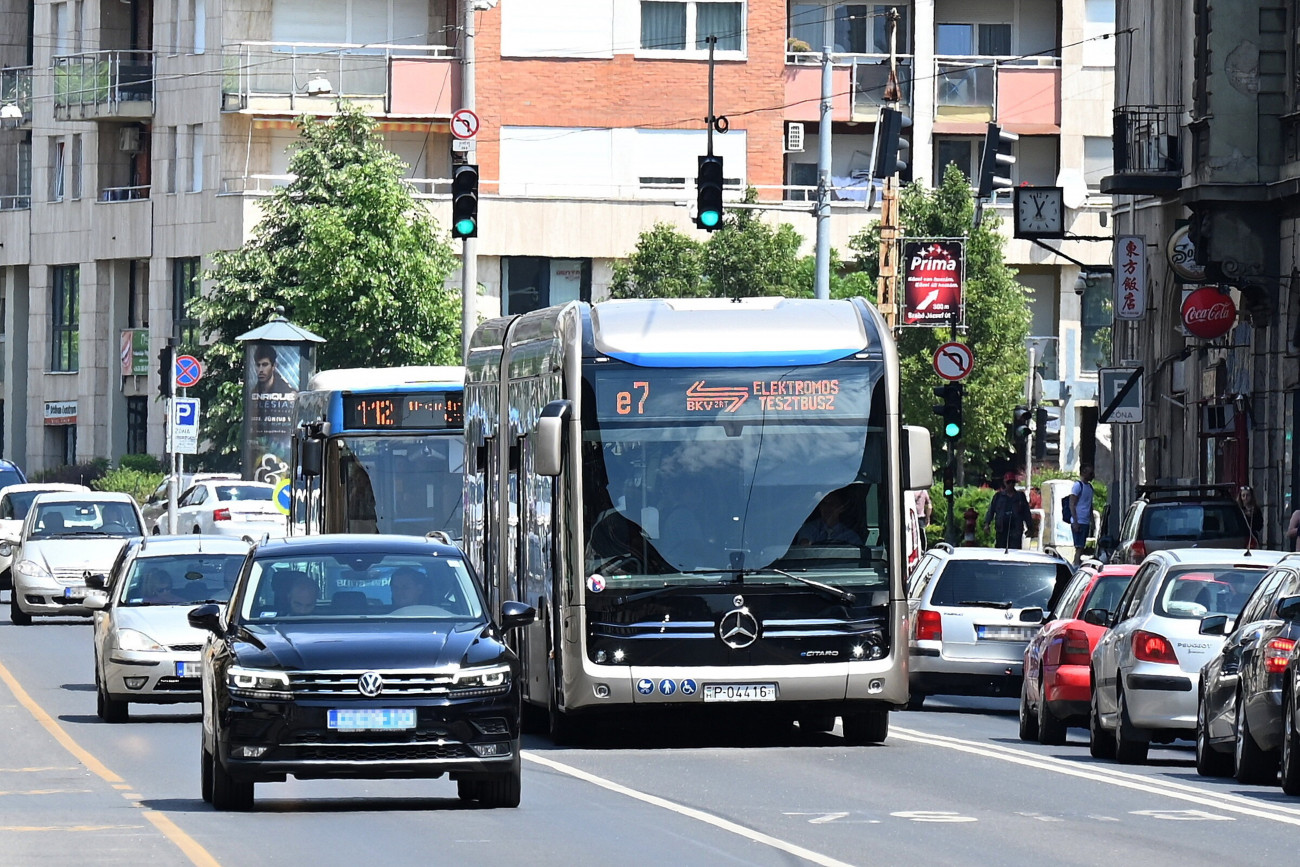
(1009, 513)
(1080, 512)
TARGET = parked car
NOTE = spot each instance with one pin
(1146, 668)
(1180, 517)
(973, 611)
(1057, 687)
(11, 474)
(231, 508)
(15, 500)
(154, 508)
(359, 656)
(145, 649)
(1240, 713)
(66, 538)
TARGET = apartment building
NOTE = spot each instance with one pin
(137, 137)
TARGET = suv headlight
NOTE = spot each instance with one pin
(487, 678)
(135, 640)
(258, 683)
(33, 569)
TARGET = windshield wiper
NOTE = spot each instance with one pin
(669, 588)
(836, 593)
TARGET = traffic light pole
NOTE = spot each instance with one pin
(822, 271)
(469, 246)
(1029, 402)
(887, 280)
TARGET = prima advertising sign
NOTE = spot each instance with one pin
(1130, 277)
(933, 274)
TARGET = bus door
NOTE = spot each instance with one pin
(533, 572)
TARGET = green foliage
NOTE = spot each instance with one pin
(977, 498)
(997, 320)
(665, 264)
(74, 474)
(137, 483)
(143, 463)
(348, 253)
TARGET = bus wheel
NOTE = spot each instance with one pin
(867, 726)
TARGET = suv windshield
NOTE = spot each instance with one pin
(992, 583)
(1193, 522)
(1193, 593)
(65, 520)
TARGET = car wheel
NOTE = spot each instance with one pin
(866, 727)
(1101, 743)
(915, 700)
(1209, 761)
(1051, 731)
(1028, 719)
(1290, 748)
(498, 790)
(205, 772)
(17, 616)
(109, 709)
(229, 793)
(1252, 766)
(1130, 745)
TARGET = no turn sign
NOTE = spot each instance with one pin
(464, 124)
(953, 361)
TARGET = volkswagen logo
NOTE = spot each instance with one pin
(370, 684)
(738, 628)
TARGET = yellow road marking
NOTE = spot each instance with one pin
(187, 844)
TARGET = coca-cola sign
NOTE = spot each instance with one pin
(1208, 312)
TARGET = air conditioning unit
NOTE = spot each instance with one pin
(128, 139)
(1218, 418)
(794, 138)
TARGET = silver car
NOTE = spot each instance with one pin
(15, 500)
(66, 538)
(145, 649)
(1146, 669)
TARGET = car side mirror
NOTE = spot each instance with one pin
(95, 601)
(1032, 615)
(1097, 617)
(516, 614)
(1288, 608)
(1215, 624)
(96, 582)
(206, 617)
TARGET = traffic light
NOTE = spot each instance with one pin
(167, 370)
(1021, 425)
(949, 479)
(1048, 442)
(464, 201)
(997, 159)
(892, 150)
(708, 193)
(949, 408)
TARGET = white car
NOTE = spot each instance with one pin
(145, 649)
(154, 508)
(15, 500)
(230, 507)
(1146, 670)
(66, 538)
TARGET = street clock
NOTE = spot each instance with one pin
(1040, 212)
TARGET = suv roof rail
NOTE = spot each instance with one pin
(1163, 491)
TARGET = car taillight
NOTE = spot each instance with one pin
(1149, 647)
(1277, 653)
(221, 514)
(1139, 549)
(1075, 649)
(929, 626)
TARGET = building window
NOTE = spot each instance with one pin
(137, 425)
(963, 152)
(674, 26)
(185, 288)
(1095, 319)
(57, 147)
(59, 18)
(137, 298)
(534, 282)
(849, 28)
(965, 40)
(1098, 160)
(1099, 21)
(62, 443)
(76, 160)
(64, 314)
(196, 157)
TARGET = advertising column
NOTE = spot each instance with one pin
(279, 359)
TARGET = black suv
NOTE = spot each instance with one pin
(1186, 516)
(359, 656)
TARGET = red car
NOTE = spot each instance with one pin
(1056, 690)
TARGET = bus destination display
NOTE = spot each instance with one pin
(685, 395)
(426, 410)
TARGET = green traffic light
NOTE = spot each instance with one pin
(465, 226)
(947, 492)
(952, 429)
(710, 218)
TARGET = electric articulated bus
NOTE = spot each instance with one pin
(703, 499)
(380, 451)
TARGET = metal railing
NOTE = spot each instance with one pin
(16, 89)
(972, 82)
(124, 194)
(868, 75)
(1145, 140)
(102, 78)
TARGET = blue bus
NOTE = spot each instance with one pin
(380, 450)
(704, 499)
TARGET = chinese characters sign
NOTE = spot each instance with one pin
(932, 274)
(1130, 277)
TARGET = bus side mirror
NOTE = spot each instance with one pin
(313, 456)
(918, 471)
(548, 441)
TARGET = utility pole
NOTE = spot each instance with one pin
(822, 272)
(1033, 415)
(469, 251)
(887, 282)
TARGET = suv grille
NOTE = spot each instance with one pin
(412, 684)
(379, 752)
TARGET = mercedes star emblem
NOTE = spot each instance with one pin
(738, 628)
(370, 684)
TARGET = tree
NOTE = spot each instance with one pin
(997, 319)
(665, 264)
(347, 252)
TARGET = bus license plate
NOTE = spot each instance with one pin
(740, 692)
(372, 719)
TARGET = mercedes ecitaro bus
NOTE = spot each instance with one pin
(703, 499)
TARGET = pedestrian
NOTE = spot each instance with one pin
(1035, 511)
(1254, 514)
(1009, 513)
(1293, 530)
(924, 508)
(1080, 511)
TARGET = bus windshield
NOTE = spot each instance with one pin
(714, 475)
(401, 484)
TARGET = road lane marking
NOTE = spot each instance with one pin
(1222, 801)
(187, 844)
(46, 792)
(45, 829)
(36, 770)
(689, 812)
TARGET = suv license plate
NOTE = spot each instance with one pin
(740, 692)
(372, 719)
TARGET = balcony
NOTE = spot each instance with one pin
(16, 97)
(857, 82)
(1021, 94)
(276, 78)
(115, 85)
(1148, 157)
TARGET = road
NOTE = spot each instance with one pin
(952, 785)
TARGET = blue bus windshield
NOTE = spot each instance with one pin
(401, 484)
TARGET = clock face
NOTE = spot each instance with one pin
(1039, 211)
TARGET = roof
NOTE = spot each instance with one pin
(281, 330)
(359, 378)
(1220, 556)
(85, 497)
(42, 486)
(1015, 554)
(172, 546)
(357, 543)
